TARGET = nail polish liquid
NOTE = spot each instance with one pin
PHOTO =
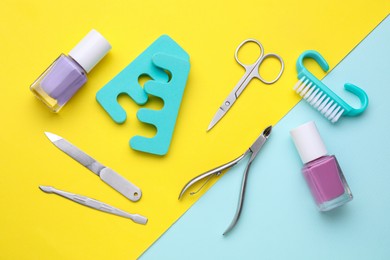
(322, 172)
(68, 73)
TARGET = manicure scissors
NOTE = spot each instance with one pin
(251, 71)
(253, 151)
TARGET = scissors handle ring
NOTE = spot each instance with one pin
(280, 72)
(242, 44)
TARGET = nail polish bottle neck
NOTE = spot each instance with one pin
(318, 159)
(78, 64)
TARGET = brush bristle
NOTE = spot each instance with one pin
(318, 99)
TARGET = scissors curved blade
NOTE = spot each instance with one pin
(220, 113)
(222, 110)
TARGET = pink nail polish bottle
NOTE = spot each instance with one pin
(321, 171)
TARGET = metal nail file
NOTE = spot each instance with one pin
(106, 174)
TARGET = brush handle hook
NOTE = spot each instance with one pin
(362, 97)
(303, 72)
(315, 56)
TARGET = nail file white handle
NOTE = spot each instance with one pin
(95, 204)
(120, 184)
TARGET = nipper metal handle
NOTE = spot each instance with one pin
(217, 171)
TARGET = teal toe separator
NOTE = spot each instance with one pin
(171, 93)
(303, 72)
(163, 55)
(126, 82)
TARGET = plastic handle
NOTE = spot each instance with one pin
(315, 55)
(303, 72)
(120, 184)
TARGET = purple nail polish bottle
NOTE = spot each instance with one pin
(321, 171)
(68, 73)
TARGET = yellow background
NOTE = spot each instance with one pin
(35, 225)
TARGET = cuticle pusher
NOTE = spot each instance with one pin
(95, 204)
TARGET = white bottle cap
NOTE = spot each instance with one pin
(308, 142)
(90, 50)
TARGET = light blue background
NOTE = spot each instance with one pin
(279, 219)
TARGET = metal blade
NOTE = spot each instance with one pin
(220, 113)
(222, 110)
(75, 153)
(256, 146)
